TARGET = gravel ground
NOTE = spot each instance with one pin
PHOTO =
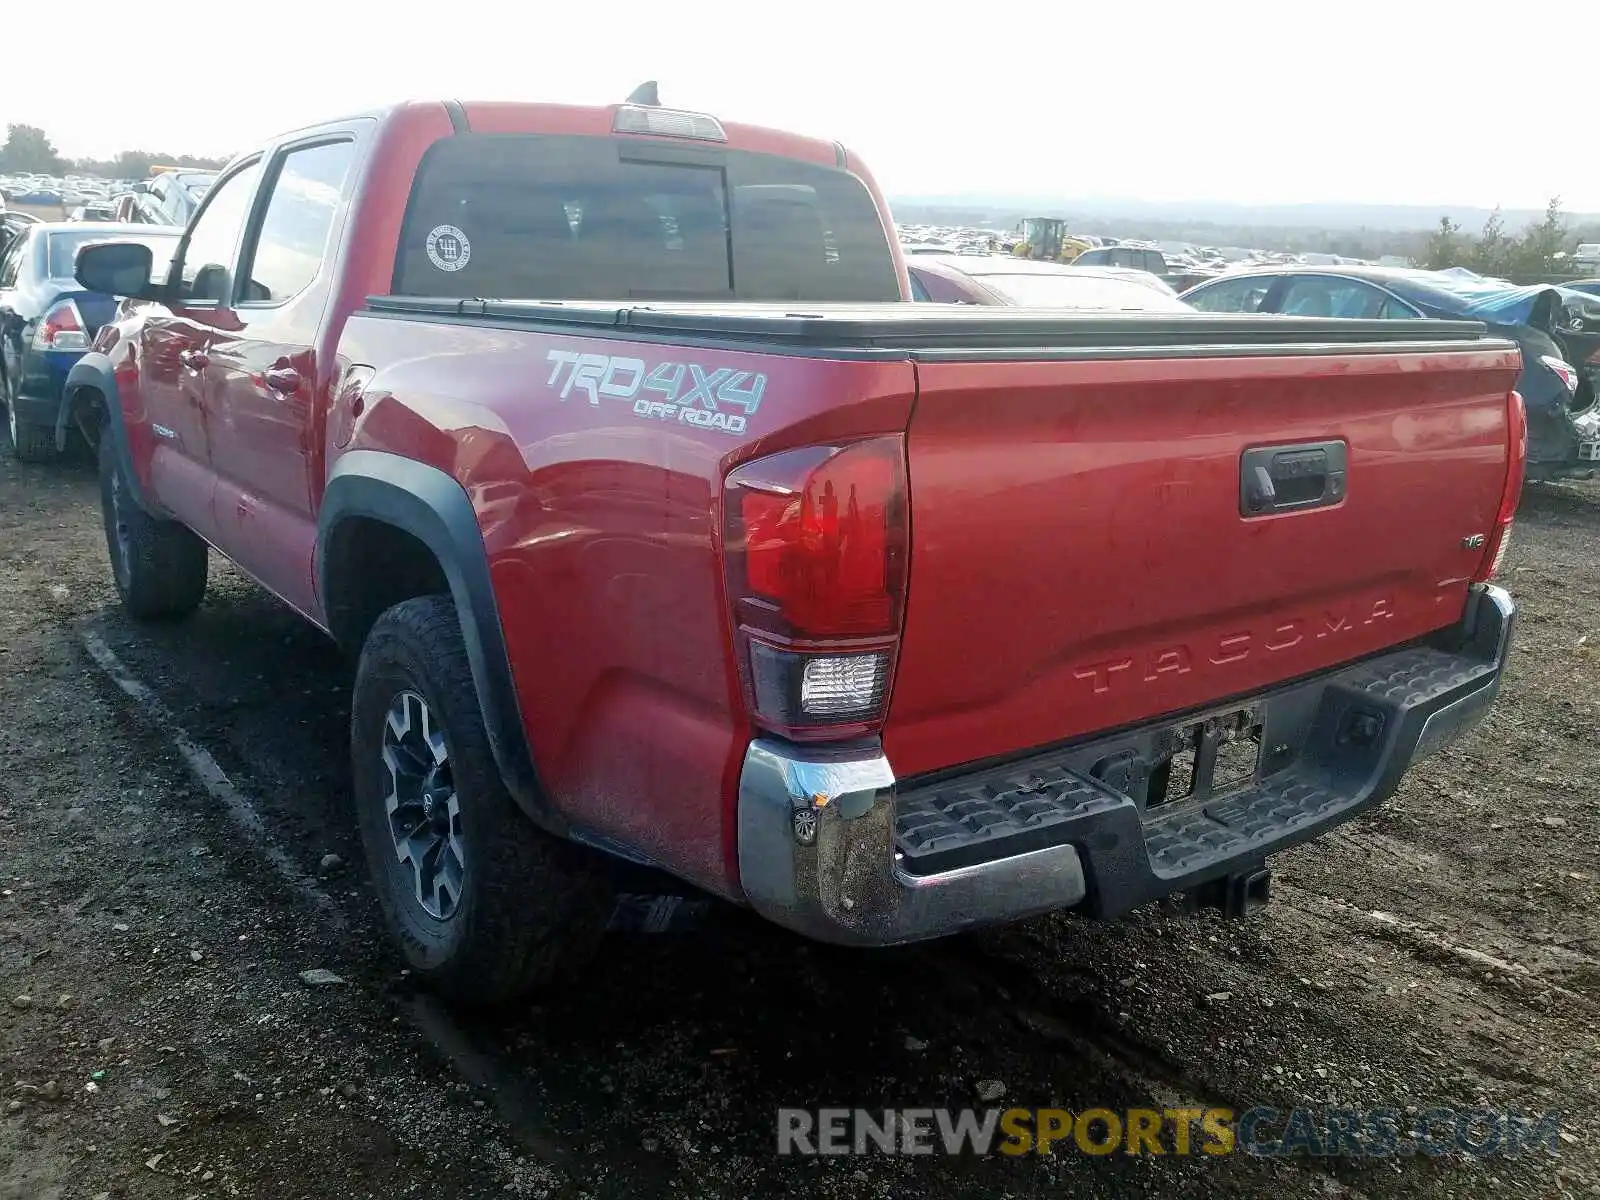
(1440, 951)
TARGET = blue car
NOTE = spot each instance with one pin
(47, 321)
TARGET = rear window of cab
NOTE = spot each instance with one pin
(541, 217)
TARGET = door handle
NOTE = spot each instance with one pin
(283, 379)
(1275, 479)
(195, 360)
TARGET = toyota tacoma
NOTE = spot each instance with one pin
(663, 528)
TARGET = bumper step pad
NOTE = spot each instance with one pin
(1053, 799)
(997, 813)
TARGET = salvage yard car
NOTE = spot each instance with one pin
(1145, 258)
(47, 322)
(1001, 279)
(666, 530)
(1560, 356)
(169, 197)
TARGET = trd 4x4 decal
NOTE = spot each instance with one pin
(669, 391)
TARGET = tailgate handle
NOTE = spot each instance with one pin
(1275, 479)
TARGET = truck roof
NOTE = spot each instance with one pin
(501, 116)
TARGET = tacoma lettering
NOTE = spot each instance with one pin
(1229, 648)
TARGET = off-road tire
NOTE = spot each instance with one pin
(159, 566)
(532, 907)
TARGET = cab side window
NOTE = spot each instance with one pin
(293, 238)
(208, 254)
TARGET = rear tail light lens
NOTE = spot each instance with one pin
(794, 692)
(1565, 371)
(61, 328)
(1494, 553)
(817, 540)
(816, 545)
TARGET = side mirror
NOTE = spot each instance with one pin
(118, 269)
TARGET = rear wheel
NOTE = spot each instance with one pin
(30, 441)
(485, 906)
(159, 566)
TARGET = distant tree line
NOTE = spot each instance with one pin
(1529, 255)
(27, 148)
(1538, 254)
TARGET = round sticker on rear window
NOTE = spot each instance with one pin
(448, 248)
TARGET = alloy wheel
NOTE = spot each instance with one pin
(423, 811)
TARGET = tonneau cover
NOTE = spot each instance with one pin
(913, 327)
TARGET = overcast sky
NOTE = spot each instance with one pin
(1406, 102)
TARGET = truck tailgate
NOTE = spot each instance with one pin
(1091, 547)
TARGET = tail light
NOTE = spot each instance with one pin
(1564, 371)
(816, 542)
(1494, 551)
(61, 328)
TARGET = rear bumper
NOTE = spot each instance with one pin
(832, 846)
(42, 383)
(1561, 443)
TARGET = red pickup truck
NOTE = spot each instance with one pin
(665, 529)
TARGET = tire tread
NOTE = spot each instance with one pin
(33, 443)
(537, 906)
(168, 562)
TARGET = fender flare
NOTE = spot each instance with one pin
(94, 372)
(431, 506)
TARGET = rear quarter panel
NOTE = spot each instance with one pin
(601, 529)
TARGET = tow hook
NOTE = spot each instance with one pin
(1240, 895)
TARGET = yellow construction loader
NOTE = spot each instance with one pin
(1047, 239)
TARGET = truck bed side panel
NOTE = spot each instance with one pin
(600, 525)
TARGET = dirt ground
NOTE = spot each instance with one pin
(156, 1039)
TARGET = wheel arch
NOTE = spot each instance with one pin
(380, 513)
(92, 405)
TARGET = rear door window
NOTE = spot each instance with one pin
(1327, 296)
(514, 216)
